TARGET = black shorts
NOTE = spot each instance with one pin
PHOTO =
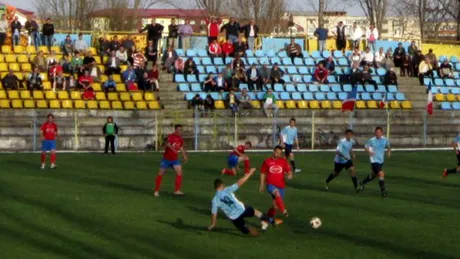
(458, 159)
(240, 223)
(287, 149)
(376, 168)
(338, 167)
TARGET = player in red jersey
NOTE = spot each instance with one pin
(272, 173)
(237, 156)
(49, 134)
(174, 145)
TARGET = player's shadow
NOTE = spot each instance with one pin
(180, 225)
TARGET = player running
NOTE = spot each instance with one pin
(234, 209)
(272, 174)
(344, 156)
(237, 156)
(49, 134)
(174, 145)
(456, 146)
(287, 139)
(375, 147)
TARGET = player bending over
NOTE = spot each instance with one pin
(456, 146)
(234, 209)
(375, 147)
(49, 134)
(236, 157)
(272, 174)
(287, 139)
(174, 145)
(344, 156)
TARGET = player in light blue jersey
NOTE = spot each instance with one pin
(234, 209)
(288, 138)
(375, 147)
(456, 146)
(344, 156)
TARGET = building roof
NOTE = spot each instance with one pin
(20, 10)
(189, 13)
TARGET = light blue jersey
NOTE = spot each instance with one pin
(289, 135)
(457, 141)
(344, 147)
(228, 203)
(377, 145)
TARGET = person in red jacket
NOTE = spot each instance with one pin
(214, 50)
(227, 50)
(85, 82)
(213, 28)
(321, 74)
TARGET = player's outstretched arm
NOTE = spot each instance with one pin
(245, 177)
(213, 221)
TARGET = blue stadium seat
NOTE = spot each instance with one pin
(252, 96)
(444, 90)
(249, 53)
(446, 106)
(331, 96)
(308, 96)
(245, 61)
(191, 78)
(377, 96)
(291, 70)
(202, 53)
(201, 69)
(216, 96)
(456, 105)
(348, 53)
(211, 69)
(275, 60)
(270, 53)
(286, 78)
(296, 78)
(392, 89)
(197, 60)
(312, 70)
(179, 78)
(244, 86)
(309, 62)
(220, 69)
(338, 71)
(342, 62)
(183, 87)
(457, 66)
(434, 90)
(381, 71)
(390, 97)
(260, 95)
(331, 79)
(304, 70)
(189, 96)
(264, 61)
(338, 54)
(342, 96)
(301, 87)
(373, 73)
(326, 54)
(298, 62)
(455, 90)
(316, 54)
(191, 53)
(381, 88)
(336, 88)
(435, 74)
(366, 96)
(252, 61)
(312, 88)
(347, 88)
(285, 96)
(202, 77)
(442, 58)
(219, 62)
(400, 97)
(377, 79)
(324, 88)
(346, 70)
(457, 82)
(427, 81)
(439, 82)
(287, 61)
(278, 88)
(290, 88)
(320, 96)
(369, 88)
(361, 88)
(180, 52)
(296, 96)
(454, 59)
(196, 87)
(305, 54)
(260, 53)
(282, 54)
(307, 79)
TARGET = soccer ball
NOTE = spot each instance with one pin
(315, 222)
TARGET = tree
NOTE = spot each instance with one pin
(375, 11)
(266, 13)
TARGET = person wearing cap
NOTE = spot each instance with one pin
(276, 75)
(253, 76)
(154, 31)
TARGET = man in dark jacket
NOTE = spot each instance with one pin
(32, 28)
(154, 31)
(251, 32)
(232, 28)
(110, 131)
(16, 31)
(254, 78)
(173, 33)
(48, 33)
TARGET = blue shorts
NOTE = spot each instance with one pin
(165, 164)
(271, 188)
(232, 161)
(48, 145)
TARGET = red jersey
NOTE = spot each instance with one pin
(240, 149)
(275, 169)
(49, 130)
(176, 142)
(227, 48)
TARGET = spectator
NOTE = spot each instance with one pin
(115, 44)
(151, 54)
(367, 76)
(270, 104)
(329, 65)
(104, 47)
(154, 31)
(113, 65)
(110, 131)
(240, 77)
(294, 50)
(221, 84)
(356, 57)
(10, 81)
(321, 33)
(80, 44)
(208, 104)
(416, 62)
(379, 58)
(406, 66)
(425, 70)
(40, 62)
(154, 78)
(16, 31)
(321, 74)
(355, 35)
(276, 75)
(251, 32)
(77, 63)
(390, 78)
(34, 80)
(213, 25)
(388, 61)
(51, 59)
(32, 29)
(85, 82)
(356, 75)
(233, 102)
(368, 57)
(48, 33)
(168, 59)
(67, 45)
(398, 55)
(55, 69)
(94, 72)
(245, 102)
(253, 76)
(88, 60)
(186, 33)
(129, 44)
(265, 76)
(59, 81)
(372, 35)
(145, 84)
(214, 50)
(240, 47)
(3, 29)
(66, 64)
(231, 29)
(130, 78)
(110, 85)
(197, 104)
(432, 57)
(209, 83)
(179, 66)
(190, 67)
(445, 70)
(341, 41)
(71, 83)
(412, 50)
(227, 50)
(122, 55)
(228, 72)
(173, 33)
(238, 63)
(139, 60)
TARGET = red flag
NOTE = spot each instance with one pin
(349, 103)
(429, 104)
(383, 102)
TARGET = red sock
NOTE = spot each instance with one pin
(229, 172)
(280, 203)
(158, 182)
(43, 157)
(247, 166)
(271, 213)
(53, 158)
(178, 182)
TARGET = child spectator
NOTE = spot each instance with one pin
(110, 85)
(232, 100)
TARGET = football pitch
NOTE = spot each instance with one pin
(102, 206)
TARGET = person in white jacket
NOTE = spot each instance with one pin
(372, 35)
(355, 35)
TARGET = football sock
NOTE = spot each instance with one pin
(330, 178)
(271, 213)
(178, 182)
(262, 216)
(293, 165)
(366, 180)
(280, 203)
(43, 158)
(452, 171)
(382, 185)
(229, 172)
(247, 166)
(158, 182)
(355, 181)
(53, 158)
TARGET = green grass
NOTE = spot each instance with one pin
(96, 206)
